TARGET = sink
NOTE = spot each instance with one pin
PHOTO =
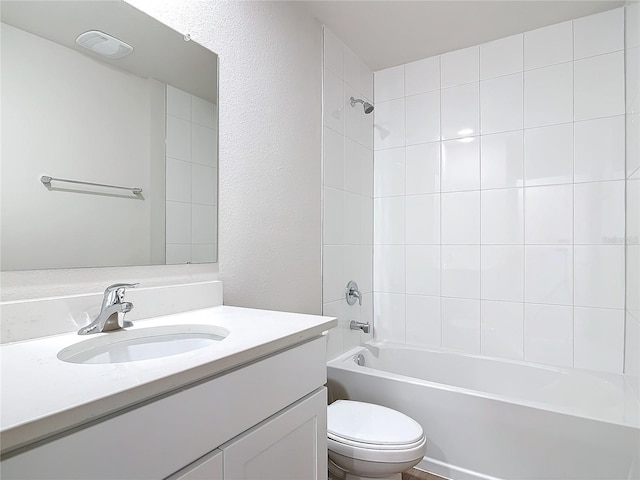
(143, 344)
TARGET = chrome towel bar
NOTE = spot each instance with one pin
(45, 179)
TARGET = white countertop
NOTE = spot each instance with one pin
(42, 395)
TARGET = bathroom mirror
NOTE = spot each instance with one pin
(146, 121)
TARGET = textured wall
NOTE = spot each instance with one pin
(270, 144)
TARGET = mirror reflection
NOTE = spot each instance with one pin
(95, 111)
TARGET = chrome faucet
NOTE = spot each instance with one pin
(112, 312)
(352, 293)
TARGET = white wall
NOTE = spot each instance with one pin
(499, 197)
(347, 192)
(632, 63)
(44, 99)
(270, 144)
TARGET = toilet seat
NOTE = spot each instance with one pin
(371, 432)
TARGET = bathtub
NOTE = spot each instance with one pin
(495, 419)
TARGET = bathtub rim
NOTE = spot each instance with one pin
(618, 380)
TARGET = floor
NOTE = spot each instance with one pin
(412, 474)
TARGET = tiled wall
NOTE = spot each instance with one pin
(347, 192)
(499, 197)
(192, 179)
(632, 63)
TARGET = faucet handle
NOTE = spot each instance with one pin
(116, 291)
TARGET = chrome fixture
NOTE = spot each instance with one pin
(365, 327)
(368, 108)
(46, 180)
(352, 293)
(113, 310)
(360, 360)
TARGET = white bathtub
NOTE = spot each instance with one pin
(493, 419)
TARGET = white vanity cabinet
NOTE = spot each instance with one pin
(263, 420)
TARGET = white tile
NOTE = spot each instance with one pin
(178, 186)
(502, 272)
(388, 268)
(333, 155)
(502, 329)
(501, 104)
(389, 317)
(460, 271)
(178, 103)
(177, 253)
(366, 220)
(599, 339)
(366, 130)
(353, 68)
(460, 66)
(548, 274)
(600, 149)
(353, 160)
(599, 213)
(422, 223)
(632, 25)
(633, 210)
(599, 276)
(352, 218)
(548, 155)
(461, 324)
(389, 84)
(422, 168)
(632, 79)
(334, 335)
(548, 334)
(422, 267)
(178, 222)
(203, 112)
(548, 215)
(548, 46)
(332, 273)
(422, 76)
(422, 118)
(333, 52)
(366, 184)
(501, 160)
(633, 280)
(178, 138)
(203, 145)
(388, 220)
(460, 218)
(388, 129)
(203, 223)
(632, 346)
(203, 253)
(633, 142)
(388, 172)
(548, 95)
(501, 57)
(423, 320)
(333, 221)
(460, 111)
(599, 86)
(354, 116)
(460, 165)
(598, 34)
(352, 267)
(203, 184)
(502, 216)
(333, 101)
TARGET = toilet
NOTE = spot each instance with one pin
(368, 441)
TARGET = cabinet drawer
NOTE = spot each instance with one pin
(159, 438)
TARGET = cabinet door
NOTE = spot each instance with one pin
(291, 445)
(208, 467)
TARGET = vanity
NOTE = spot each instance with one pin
(250, 405)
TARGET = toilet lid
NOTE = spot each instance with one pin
(369, 423)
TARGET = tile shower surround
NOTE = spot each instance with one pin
(347, 192)
(499, 190)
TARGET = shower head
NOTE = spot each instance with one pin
(368, 108)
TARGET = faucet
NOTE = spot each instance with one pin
(111, 316)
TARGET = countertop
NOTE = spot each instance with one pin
(42, 395)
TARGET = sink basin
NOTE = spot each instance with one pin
(143, 344)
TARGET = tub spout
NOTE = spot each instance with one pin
(365, 327)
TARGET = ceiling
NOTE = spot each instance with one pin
(392, 32)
